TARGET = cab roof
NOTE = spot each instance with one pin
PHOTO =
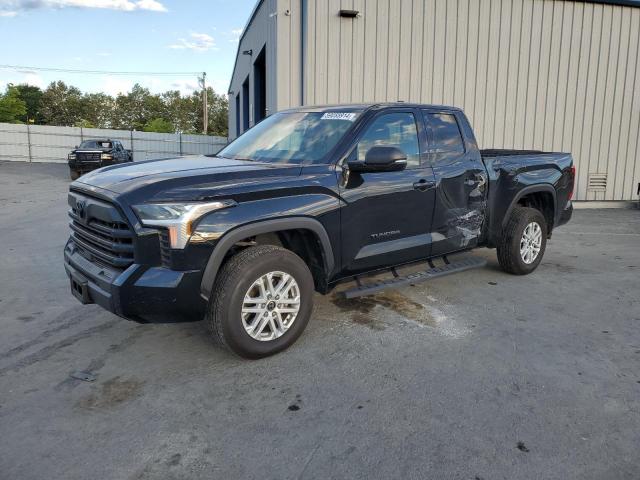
(361, 107)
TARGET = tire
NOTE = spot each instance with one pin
(74, 174)
(237, 279)
(510, 257)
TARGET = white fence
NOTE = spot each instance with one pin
(39, 143)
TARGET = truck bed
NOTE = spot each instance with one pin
(497, 152)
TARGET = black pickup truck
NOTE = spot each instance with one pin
(93, 154)
(306, 199)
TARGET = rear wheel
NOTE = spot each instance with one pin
(261, 302)
(74, 174)
(523, 241)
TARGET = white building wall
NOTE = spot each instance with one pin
(531, 74)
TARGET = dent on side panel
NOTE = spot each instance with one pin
(463, 204)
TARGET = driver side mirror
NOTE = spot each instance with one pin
(381, 159)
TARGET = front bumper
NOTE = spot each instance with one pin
(89, 165)
(139, 293)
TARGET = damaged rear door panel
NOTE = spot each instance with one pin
(461, 179)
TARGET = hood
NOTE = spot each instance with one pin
(156, 178)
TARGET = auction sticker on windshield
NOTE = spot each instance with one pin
(339, 116)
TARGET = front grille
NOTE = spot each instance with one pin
(100, 232)
(165, 248)
(88, 156)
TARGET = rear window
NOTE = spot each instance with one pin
(95, 144)
(445, 131)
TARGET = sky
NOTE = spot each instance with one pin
(121, 35)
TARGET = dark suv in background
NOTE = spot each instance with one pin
(92, 154)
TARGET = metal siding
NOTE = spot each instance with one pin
(369, 18)
(632, 157)
(357, 72)
(404, 58)
(416, 49)
(346, 56)
(543, 74)
(627, 146)
(394, 52)
(334, 51)
(284, 53)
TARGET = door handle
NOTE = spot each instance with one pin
(423, 185)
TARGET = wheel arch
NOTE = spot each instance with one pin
(275, 226)
(541, 197)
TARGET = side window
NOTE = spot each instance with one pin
(392, 129)
(446, 133)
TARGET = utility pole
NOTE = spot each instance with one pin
(205, 107)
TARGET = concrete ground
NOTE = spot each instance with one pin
(481, 375)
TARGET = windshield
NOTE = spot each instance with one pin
(294, 137)
(95, 144)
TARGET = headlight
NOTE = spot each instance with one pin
(72, 156)
(106, 156)
(177, 218)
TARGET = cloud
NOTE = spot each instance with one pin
(34, 79)
(151, 5)
(185, 86)
(235, 35)
(199, 42)
(115, 85)
(11, 7)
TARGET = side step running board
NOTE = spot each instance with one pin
(418, 277)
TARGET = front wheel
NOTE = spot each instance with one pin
(261, 302)
(523, 241)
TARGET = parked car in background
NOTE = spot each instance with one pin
(93, 154)
(306, 199)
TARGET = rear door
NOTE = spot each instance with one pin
(386, 217)
(460, 197)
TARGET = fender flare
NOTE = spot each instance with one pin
(544, 187)
(266, 226)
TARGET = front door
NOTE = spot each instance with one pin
(387, 216)
(462, 183)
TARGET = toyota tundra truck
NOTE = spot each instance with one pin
(306, 199)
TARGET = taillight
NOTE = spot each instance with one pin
(573, 180)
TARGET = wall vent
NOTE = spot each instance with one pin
(597, 181)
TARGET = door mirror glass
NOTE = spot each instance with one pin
(381, 159)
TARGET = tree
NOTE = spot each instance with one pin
(31, 96)
(83, 123)
(139, 109)
(181, 111)
(218, 108)
(12, 107)
(61, 104)
(97, 109)
(159, 125)
(218, 114)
